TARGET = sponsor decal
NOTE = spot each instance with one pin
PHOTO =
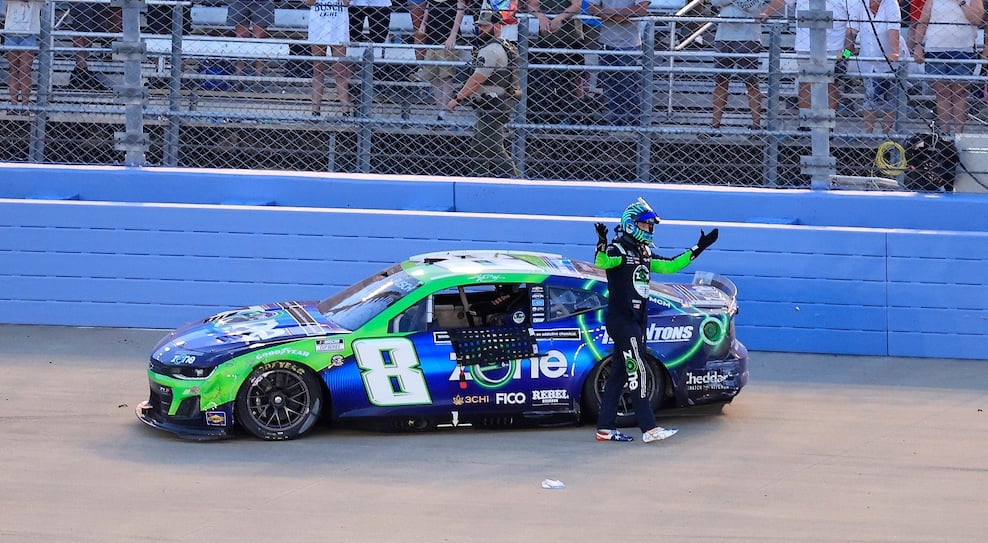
(550, 397)
(471, 400)
(518, 317)
(183, 360)
(710, 380)
(659, 301)
(631, 367)
(329, 345)
(640, 278)
(538, 303)
(215, 418)
(337, 360)
(510, 398)
(558, 333)
(289, 351)
(552, 365)
(661, 334)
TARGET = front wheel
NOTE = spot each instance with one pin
(280, 400)
(593, 392)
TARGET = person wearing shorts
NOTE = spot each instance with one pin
(329, 29)
(836, 42)
(416, 11)
(90, 17)
(439, 20)
(250, 19)
(738, 45)
(377, 13)
(945, 36)
(875, 26)
(22, 24)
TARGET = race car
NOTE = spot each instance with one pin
(441, 340)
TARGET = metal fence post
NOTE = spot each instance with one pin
(173, 128)
(901, 96)
(131, 93)
(820, 164)
(36, 147)
(366, 99)
(770, 168)
(644, 169)
(519, 151)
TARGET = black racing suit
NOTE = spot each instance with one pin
(629, 265)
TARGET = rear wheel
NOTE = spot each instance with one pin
(280, 400)
(593, 391)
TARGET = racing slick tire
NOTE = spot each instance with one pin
(593, 390)
(280, 400)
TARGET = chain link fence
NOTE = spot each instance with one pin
(180, 84)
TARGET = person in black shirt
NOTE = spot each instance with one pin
(629, 263)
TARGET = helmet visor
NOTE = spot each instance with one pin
(648, 216)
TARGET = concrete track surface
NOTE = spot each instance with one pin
(817, 448)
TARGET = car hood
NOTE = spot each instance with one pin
(237, 329)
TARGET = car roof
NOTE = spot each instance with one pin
(470, 262)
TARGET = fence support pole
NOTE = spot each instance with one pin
(364, 133)
(770, 171)
(36, 146)
(519, 150)
(644, 169)
(820, 164)
(172, 130)
(131, 93)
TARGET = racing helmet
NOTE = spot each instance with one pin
(639, 211)
(488, 17)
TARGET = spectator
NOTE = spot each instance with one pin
(250, 18)
(836, 42)
(915, 10)
(591, 40)
(22, 24)
(620, 33)
(378, 16)
(946, 35)
(492, 90)
(742, 40)
(438, 26)
(329, 26)
(875, 25)
(557, 91)
(90, 17)
(416, 11)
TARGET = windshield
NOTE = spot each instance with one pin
(352, 307)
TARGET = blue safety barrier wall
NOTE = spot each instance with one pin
(963, 212)
(825, 289)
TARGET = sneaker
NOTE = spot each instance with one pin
(658, 434)
(612, 435)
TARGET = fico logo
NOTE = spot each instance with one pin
(661, 334)
(510, 398)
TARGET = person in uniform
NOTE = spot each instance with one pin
(628, 262)
(492, 90)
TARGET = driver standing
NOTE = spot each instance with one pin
(629, 263)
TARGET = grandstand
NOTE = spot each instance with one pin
(191, 117)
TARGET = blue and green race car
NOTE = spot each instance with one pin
(449, 339)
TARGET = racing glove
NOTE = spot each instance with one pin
(601, 237)
(706, 240)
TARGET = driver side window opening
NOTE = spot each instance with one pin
(473, 306)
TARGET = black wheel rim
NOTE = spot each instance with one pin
(278, 399)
